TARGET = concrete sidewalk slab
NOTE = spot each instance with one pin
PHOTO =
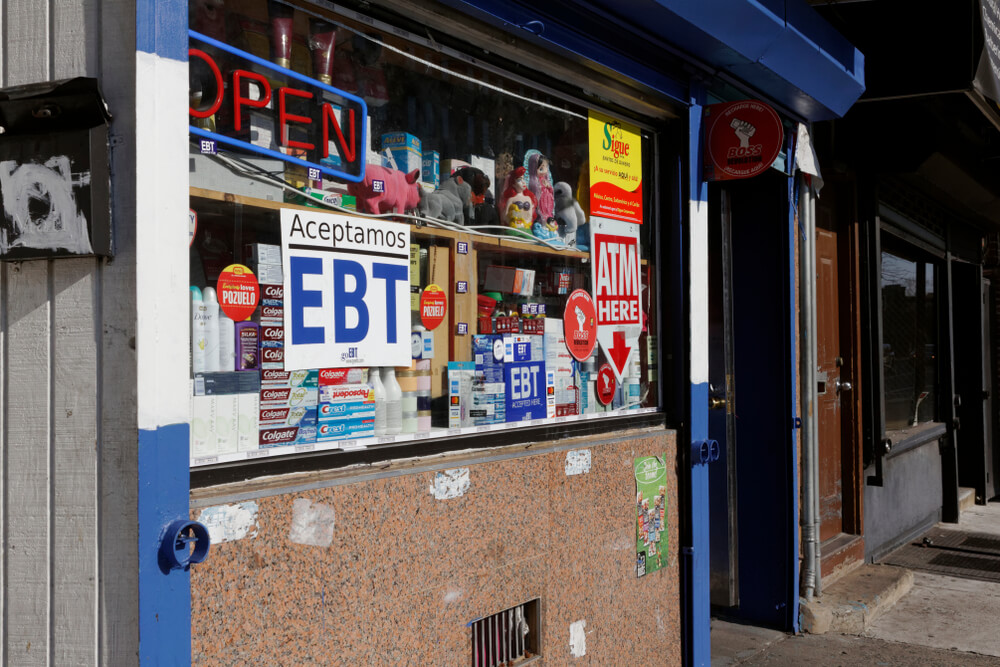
(734, 643)
(945, 612)
(853, 603)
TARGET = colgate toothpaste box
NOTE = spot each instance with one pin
(288, 397)
(345, 428)
(269, 315)
(272, 336)
(272, 295)
(272, 358)
(287, 435)
(341, 376)
(276, 378)
(275, 417)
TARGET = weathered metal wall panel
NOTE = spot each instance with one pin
(67, 380)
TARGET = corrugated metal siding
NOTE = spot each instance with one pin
(67, 381)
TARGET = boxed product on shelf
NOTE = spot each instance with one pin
(300, 378)
(255, 254)
(342, 429)
(347, 401)
(405, 150)
(460, 378)
(341, 376)
(509, 280)
(488, 392)
(430, 168)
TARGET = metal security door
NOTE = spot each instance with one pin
(722, 473)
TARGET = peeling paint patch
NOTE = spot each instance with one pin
(450, 483)
(578, 638)
(577, 461)
(228, 523)
(312, 523)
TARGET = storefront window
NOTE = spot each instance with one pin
(392, 241)
(909, 337)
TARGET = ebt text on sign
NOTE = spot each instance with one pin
(347, 300)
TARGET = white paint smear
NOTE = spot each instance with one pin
(577, 461)
(578, 639)
(312, 523)
(40, 207)
(450, 483)
(228, 523)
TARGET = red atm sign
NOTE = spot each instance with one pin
(616, 270)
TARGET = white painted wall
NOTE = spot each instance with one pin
(68, 424)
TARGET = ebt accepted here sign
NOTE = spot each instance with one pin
(347, 296)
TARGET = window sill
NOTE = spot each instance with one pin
(906, 439)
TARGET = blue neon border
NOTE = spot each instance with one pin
(299, 77)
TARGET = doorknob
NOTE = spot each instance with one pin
(716, 403)
(842, 386)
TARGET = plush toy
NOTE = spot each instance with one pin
(517, 203)
(385, 190)
(462, 190)
(539, 170)
(569, 213)
(547, 230)
(442, 205)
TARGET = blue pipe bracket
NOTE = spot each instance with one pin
(704, 452)
(176, 552)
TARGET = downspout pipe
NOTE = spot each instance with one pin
(811, 583)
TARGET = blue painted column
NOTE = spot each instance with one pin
(162, 323)
(699, 609)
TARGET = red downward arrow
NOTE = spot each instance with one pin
(619, 352)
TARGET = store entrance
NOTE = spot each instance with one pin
(752, 495)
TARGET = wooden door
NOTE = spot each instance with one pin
(836, 333)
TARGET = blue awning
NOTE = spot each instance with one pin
(781, 48)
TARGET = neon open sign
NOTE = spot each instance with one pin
(312, 121)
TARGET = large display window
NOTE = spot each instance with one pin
(393, 241)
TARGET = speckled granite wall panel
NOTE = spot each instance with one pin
(404, 573)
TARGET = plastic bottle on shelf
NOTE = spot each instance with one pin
(380, 401)
(227, 343)
(197, 331)
(211, 302)
(393, 402)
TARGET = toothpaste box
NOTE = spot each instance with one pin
(272, 294)
(488, 404)
(346, 428)
(286, 435)
(273, 316)
(281, 416)
(288, 397)
(272, 358)
(270, 274)
(346, 401)
(341, 376)
(301, 378)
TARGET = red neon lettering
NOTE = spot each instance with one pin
(328, 114)
(219, 88)
(284, 117)
(239, 100)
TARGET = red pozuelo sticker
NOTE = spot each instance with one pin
(606, 385)
(433, 307)
(238, 292)
(580, 325)
(742, 139)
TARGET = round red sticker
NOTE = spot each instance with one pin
(238, 292)
(433, 307)
(580, 325)
(743, 139)
(606, 385)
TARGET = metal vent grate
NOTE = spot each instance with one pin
(509, 637)
(967, 562)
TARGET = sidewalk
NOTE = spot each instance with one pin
(940, 620)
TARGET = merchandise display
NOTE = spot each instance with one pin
(388, 239)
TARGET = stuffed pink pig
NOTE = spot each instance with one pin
(385, 190)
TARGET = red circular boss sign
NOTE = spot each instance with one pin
(580, 325)
(742, 139)
(606, 385)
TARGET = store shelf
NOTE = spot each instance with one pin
(366, 443)
(482, 241)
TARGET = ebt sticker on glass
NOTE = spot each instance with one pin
(347, 297)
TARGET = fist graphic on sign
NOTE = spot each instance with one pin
(744, 131)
